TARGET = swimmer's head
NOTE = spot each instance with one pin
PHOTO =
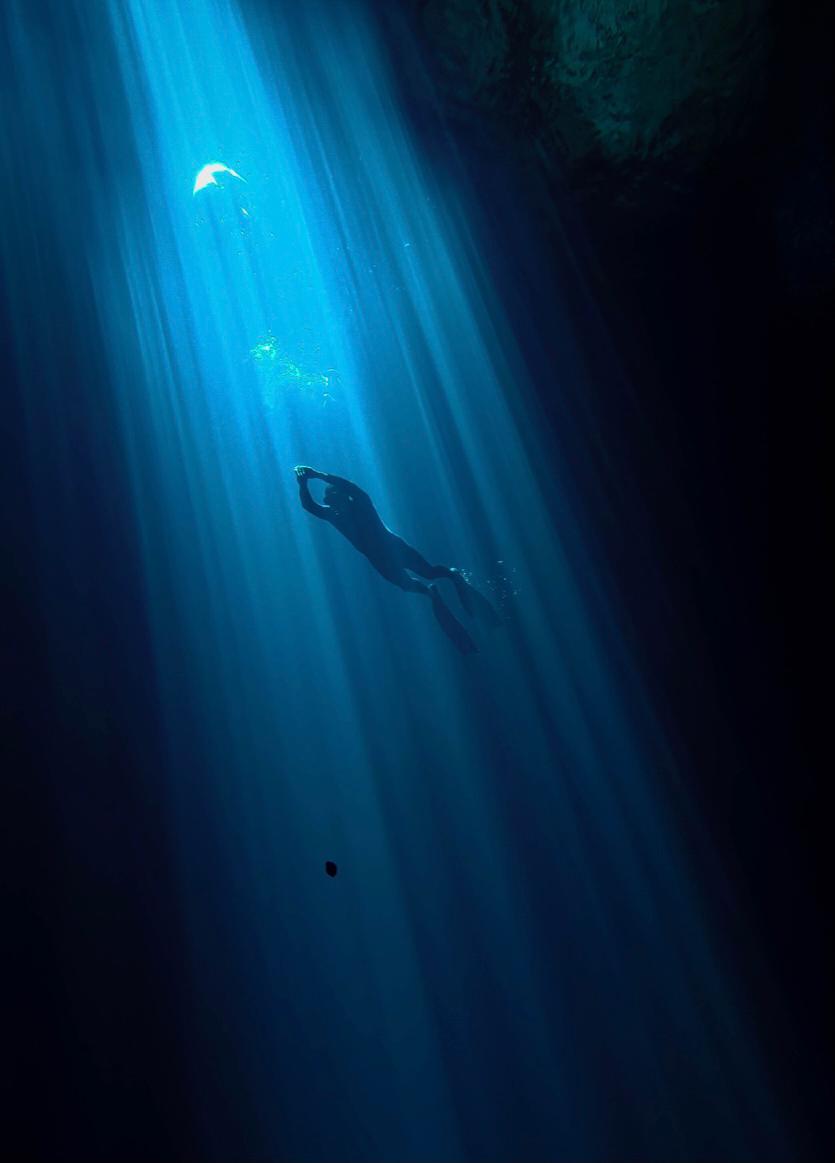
(332, 494)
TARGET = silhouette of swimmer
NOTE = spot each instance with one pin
(350, 510)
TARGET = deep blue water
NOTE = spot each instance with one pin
(516, 960)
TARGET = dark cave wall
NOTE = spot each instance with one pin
(626, 96)
(643, 109)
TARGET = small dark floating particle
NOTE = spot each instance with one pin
(330, 868)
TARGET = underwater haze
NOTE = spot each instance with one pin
(515, 959)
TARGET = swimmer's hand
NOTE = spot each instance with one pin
(304, 472)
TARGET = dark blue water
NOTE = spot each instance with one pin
(515, 960)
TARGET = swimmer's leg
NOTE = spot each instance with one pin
(475, 604)
(417, 563)
(445, 618)
(450, 624)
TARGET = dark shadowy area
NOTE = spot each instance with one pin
(710, 260)
(97, 1013)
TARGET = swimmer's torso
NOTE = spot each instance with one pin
(356, 518)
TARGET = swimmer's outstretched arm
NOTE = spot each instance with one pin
(303, 475)
(330, 479)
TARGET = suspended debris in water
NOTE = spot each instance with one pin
(502, 587)
(282, 374)
(267, 349)
(330, 868)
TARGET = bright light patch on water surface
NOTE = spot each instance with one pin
(208, 176)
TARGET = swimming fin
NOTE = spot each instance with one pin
(476, 605)
(450, 624)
